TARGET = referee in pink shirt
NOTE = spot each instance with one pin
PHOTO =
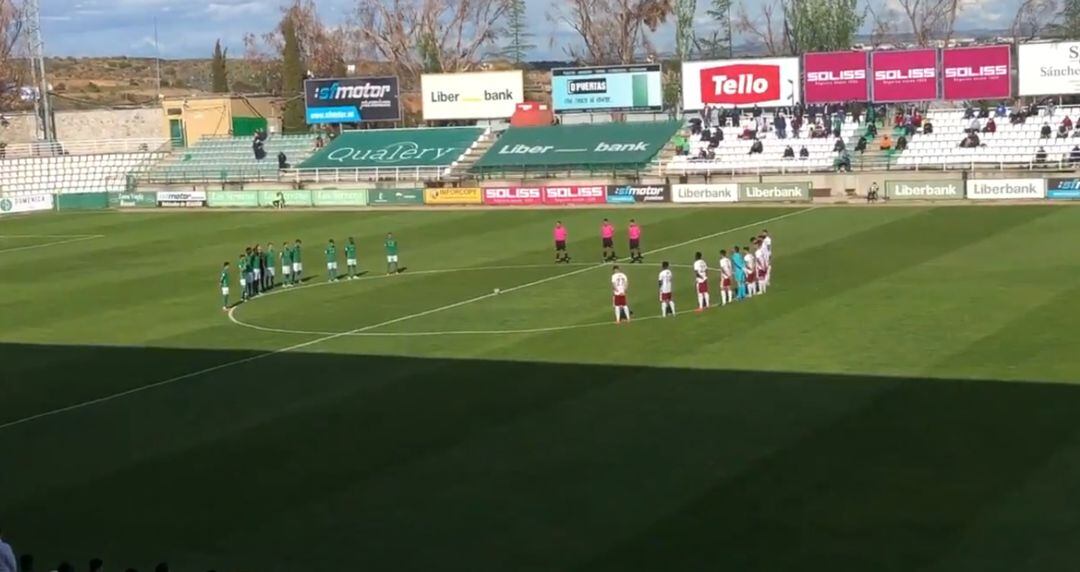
(607, 240)
(560, 243)
(634, 232)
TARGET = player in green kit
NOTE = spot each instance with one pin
(331, 261)
(271, 265)
(241, 268)
(253, 270)
(350, 257)
(286, 264)
(224, 281)
(297, 264)
(391, 253)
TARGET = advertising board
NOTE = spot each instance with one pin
(1049, 69)
(472, 95)
(705, 193)
(513, 196)
(1001, 189)
(25, 203)
(181, 199)
(610, 88)
(230, 198)
(339, 198)
(133, 200)
(764, 192)
(976, 73)
(907, 75)
(453, 196)
(392, 197)
(352, 99)
(765, 82)
(923, 190)
(575, 195)
(836, 77)
(630, 194)
(1063, 188)
(284, 198)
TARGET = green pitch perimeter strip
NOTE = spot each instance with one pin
(332, 336)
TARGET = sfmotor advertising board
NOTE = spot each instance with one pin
(996, 189)
(611, 88)
(1049, 69)
(576, 195)
(705, 193)
(976, 73)
(836, 77)
(766, 82)
(510, 196)
(475, 95)
(352, 99)
(1063, 188)
(630, 194)
(181, 198)
(904, 75)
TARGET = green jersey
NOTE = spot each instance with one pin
(296, 253)
(331, 253)
(224, 278)
(253, 261)
(242, 265)
(271, 259)
(391, 246)
(350, 251)
(286, 256)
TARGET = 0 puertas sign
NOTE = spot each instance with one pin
(923, 190)
(629, 194)
(705, 193)
(1002, 189)
(352, 100)
(610, 88)
(763, 192)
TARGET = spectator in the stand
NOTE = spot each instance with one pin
(927, 127)
(780, 124)
(1074, 155)
(97, 565)
(756, 111)
(257, 148)
(319, 143)
(3, 150)
(282, 160)
(7, 555)
(757, 147)
(796, 126)
(991, 126)
(860, 146)
(748, 133)
(886, 143)
(735, 116)
(1062, 133)
(1040, 156)
(984, 111)
(969, 112)
(804, 153)
(1045, 132)
(1067, 123)
(970, 142)
(839, 145)
(789, 153)
(842, 162)
(1002, 111)
(975, 126)
(901, 143)
(917, 119)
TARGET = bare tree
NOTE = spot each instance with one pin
(320, 46)
(1032, 18)
(931, 20)
(612, 31)
(12, 67)
(883, 22)
(765, 27)
(417, 36)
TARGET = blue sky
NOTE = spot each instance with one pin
(188, 28)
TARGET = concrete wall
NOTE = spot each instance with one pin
(21, 128)
(143, 122)
(201, 117)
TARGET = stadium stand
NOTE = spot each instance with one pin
(76, 167)
(573, 150)
(231, 159)
(1010, 145)
(396, 155)
(732, 154)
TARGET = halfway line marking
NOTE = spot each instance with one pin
(319, 340)
(73, 238)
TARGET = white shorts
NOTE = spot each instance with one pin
(351, 262)
(258, 273)
(269, 270)
(391, 258)
(331, 265)
(297, 266)
(286, 269)
(224, 290)
(243, 282)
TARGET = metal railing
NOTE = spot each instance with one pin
(85, 147)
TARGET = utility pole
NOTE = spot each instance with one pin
(36, 45)
(157, 59)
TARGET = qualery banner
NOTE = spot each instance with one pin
(474, 95)
(1063, 188)
(766, 82)
(517, 196)
(705, 193)
(25, 204)
(630, 194)
(575, 195)
(612, 88)
(352, 99)
(453, 196)
(762, 192)
(1049, 69)
(923, 190)
(977, 73)
(999, 189)
(836, 77)
(904, 75)
(181, 199)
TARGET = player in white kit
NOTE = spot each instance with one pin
(701, 277)
(751, 273)
(762, 268)
(667, 305)
(619, 287)
(727, 277)
(766, 243)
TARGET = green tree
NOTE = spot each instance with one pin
(821, 25)
(219, 74)
(292, 70)
(717, 42)
(1070, 20)
(518, 36)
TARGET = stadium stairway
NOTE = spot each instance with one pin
(459, 169)
(231, 159)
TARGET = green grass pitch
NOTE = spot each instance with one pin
(902, 399)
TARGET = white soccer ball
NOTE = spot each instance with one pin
(496, 291)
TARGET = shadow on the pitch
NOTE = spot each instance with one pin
(396, 463)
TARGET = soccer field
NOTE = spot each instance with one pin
(903, 398)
